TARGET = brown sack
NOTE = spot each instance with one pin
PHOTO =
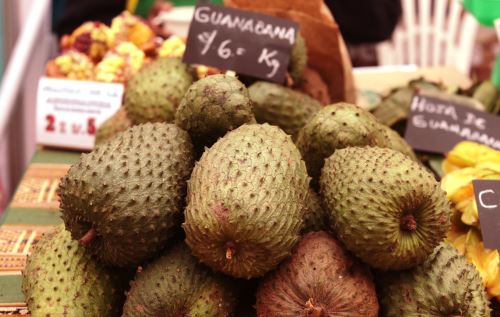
(327, 53)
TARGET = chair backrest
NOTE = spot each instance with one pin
(431, 33)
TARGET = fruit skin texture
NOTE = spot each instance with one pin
(444, 285)
(115, 124)
(213, 106)
(61, 278)
(298, 59)
(176, 285)
(131, 191)
(335, 127)
(320, 279)
(277, 105)
(387, 209)
(315, 216)
(153, 94)
(245, 201)
(396, 142)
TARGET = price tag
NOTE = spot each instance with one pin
(245, 42)
(69, 112)
(437, 125)
(487, 194)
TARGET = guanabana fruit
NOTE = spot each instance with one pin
(335, 127)
(61, 278)
(396, 142)
(444, 285)
(124, 200)
(176, 285)
(117, 123)
(320, 279)
(315, 217)
(387, 209)
(153, 94)
(277, 105)
(246, 200)
(213, 106)
(298, 59)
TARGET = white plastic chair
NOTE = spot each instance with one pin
(431, 33)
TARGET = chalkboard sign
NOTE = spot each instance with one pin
(487, 194)
(245, 42)
(437, 125)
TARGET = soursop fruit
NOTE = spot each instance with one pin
(213, 106)
(396, 142)
(61, 278)
(277, 105)
(298, 59)
(176, 285)
(335, 127)
(154, 93)
(320, 279)
(315, 216)
(444, 285)
(124, 200)
(117, 123)
(245, 201)
(387, 209)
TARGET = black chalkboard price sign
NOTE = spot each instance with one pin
(487, 194)
(245, 42)
(437, 125)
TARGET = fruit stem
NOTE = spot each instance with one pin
(408, 223)
(229, 251)
(312, 310)
(88, 237)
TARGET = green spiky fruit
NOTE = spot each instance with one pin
(125, 199)
(281, 106)
(387, 209)
(154, 93)
(61, 278)
(320, 279)
(213, 106)
(117, 123)
(176, 285)
(444, 285)
(298, 59)
(245, 201)
(315, 217)
(396, 142)
(335, 127)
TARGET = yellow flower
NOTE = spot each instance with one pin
(468, 154)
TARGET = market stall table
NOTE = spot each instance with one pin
(34, 208)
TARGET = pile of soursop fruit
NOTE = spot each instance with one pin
(220, 200)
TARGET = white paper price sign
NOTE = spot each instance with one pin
(69, 111)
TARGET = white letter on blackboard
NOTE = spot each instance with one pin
(481, 199)
(199, 16)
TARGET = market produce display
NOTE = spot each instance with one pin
(124, 200)
(155, 93)
(210, 194)
(213, 106)
(62, 278)
(444, 285)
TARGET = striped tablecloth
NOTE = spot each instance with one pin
(33, 210)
